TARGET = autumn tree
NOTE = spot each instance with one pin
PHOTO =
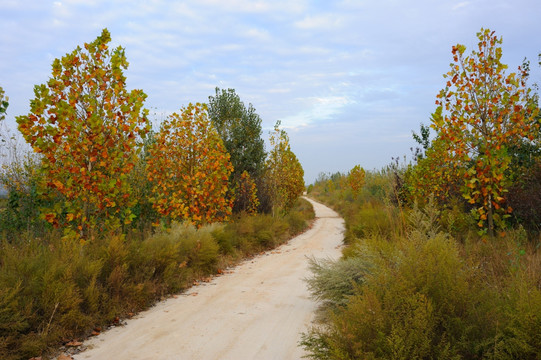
(246, 194)
(433, 176)
(87, 128)
(355, 179)
(285, 173)
(189, 168)
(482, 112)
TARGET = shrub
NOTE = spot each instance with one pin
(333, 282)
(427, 296)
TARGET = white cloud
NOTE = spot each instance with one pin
(86, 2)
(266, 7)
(314, 50)
(320, 22)
(257, 34)
(238, 5)
(278, 91)
(320, 109)
(461, 4)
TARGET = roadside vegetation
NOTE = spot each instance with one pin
(104, 215)
(443, 255)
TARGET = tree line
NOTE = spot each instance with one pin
(101, 166)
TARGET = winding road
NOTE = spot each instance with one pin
(256, 311)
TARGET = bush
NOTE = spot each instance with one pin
(427, 296)
(333, 282)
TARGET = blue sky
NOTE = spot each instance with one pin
(348, 79)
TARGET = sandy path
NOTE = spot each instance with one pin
(255, 312)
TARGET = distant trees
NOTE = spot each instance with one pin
(88, 128)
(189, 168)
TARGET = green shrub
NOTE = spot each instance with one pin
(371, 220)
(265, 238)
(226, 240)
(404, 308)
(296, 221)
(333, 282)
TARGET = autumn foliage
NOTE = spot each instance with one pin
(433, 176)
(355, 179)
(189, 168)
(285, 173)
(246, 194)
(481, 113)
(87, 127)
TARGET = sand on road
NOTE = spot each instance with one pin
(255, 312)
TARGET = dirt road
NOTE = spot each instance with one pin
(255, 312)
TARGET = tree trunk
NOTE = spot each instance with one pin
(490, 217)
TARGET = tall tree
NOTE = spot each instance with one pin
(189, 168)
(88, 128)
(240, 129)
(482, 112)
(284, 172)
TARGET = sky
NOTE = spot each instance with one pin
(349, 80)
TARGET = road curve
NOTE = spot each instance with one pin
(255, 312)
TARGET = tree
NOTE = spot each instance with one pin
(189, 168)
(433, 175)
(423, 139)
(481, 113)
(88, 128)
(355, 179)
(240, 129)
(246, 194)
(285, 173)
(3, 104)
